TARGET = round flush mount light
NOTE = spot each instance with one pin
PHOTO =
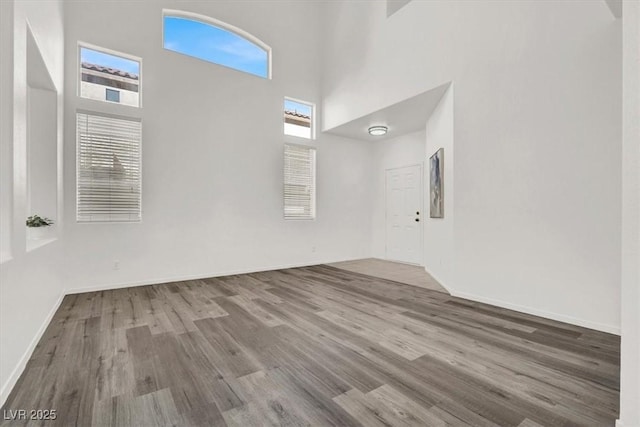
(378, 130)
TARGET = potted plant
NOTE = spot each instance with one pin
(37, 226)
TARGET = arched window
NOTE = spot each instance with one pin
(214, 41)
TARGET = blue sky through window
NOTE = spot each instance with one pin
(297, 107)
(213, 44)
(104, 59)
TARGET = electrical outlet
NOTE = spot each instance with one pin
(116, 265)
(313, 248)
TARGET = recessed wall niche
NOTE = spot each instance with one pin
(42, 143)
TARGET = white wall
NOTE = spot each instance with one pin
(439, 256)
(537, 131)
(536, 121)
(6, 128)
(30, 282)
(213, 153)
(404, 150)
(630, 357)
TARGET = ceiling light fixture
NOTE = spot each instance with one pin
(378, 130)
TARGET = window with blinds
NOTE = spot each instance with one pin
(299, 182)
(108, 169)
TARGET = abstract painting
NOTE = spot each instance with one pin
(436, 200)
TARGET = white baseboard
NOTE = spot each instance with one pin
(157, 281)
(611, 329)
(15, 375)
(7, 387)
(619, 423)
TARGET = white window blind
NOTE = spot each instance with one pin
(299, 182)
(108, 169)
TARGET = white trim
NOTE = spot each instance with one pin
(611, 329)
(7, 387)
(110, 115)
(160, 281)
(405, 166)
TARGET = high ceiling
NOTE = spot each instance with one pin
(409, 115)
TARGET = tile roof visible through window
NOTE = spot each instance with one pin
(296, 118)
(108, 70)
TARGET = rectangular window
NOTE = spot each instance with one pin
(108, 166)
(299, 182)
(102, 74)
(299, 119)
(113, 95)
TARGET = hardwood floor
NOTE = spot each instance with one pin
(391, 270)
(312, 346)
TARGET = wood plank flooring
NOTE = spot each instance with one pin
(312, 346)
(398, 272)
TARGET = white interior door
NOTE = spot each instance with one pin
(404, 214)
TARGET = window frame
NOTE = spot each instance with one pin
(224, 26)
(312, 136)
(314, 199)
(112, 52)
(77, 189)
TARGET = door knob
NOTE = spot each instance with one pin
(417, 219)
(417, 213)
